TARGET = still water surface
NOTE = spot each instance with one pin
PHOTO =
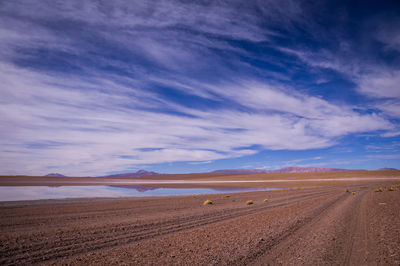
(15, 193)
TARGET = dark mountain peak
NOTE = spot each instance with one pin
(143, 172)
(140, 173)
(55, 175)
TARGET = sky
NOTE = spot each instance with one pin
(91, 88)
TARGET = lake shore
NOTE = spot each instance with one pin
(314, 225)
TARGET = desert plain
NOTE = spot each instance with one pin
(335, 218)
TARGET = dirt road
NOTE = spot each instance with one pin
(312, 226)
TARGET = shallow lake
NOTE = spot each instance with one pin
(15, 193)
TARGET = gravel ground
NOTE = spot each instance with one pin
(311, 226)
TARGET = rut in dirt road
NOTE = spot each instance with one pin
(46, 250)
(357, 248)
(330, 237)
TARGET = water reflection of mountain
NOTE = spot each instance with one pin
(137, 188)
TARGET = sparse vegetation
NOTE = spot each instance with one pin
(227, 196)
(249, 202)
(265, 200)
(378, 190)
(347, 190)
(390, 189)
(353, 193)
(208, 202)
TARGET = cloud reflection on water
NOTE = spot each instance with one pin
(16, 193)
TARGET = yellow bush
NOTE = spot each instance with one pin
(249, 202)
(353, 193)
(347, 190)
(390, 189)
(378, 190)
(227, 196)
(265, 200)
(207, 202)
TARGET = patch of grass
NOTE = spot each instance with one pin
(347, 190)
(207, 202)
(265, 200)
(249, 202)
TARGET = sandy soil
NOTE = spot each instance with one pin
(314, 226)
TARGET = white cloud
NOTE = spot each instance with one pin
(86, 132)
(92, 121)
(381, 85)
(378, 83)
(390, 134)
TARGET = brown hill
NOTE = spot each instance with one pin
(288, 169)
(140, 173)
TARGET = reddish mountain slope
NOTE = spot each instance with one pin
(288, 169)
(139, 173)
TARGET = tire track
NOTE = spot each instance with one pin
(120, 229)
(121, 235)
(358, 233)
(286, 239)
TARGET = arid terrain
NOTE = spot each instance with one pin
(317, 224)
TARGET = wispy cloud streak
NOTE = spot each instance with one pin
(89, 87)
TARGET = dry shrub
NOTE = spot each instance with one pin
(390, 189)
(378, 190)
(347, 190)
(265, 200)
(353, 193)
(207, 202)
(227, 196)
(249, 202)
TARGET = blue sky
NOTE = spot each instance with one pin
(99, 87)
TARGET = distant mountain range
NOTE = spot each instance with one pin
(55, 175)
(288, 169)
(140, 173)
